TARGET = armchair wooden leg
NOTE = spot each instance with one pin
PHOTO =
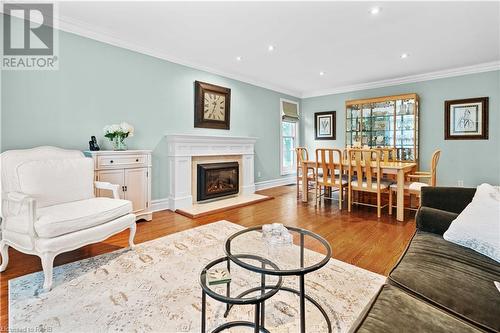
(349, 199)
(4, 251)
(341, 195)
(390, 202)
(131, 236)
(47, 266)
(379, 205)
(298, 185)
(317, 197)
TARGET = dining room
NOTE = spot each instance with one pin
(377, 165)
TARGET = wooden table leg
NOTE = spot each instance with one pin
(305, 184)
(400, 211)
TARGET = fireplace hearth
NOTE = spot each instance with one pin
(216, 180)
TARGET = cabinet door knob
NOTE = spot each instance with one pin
(111, 161)
(137, 160)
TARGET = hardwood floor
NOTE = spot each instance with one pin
(357, 238)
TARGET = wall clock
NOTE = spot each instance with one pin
(212, 106)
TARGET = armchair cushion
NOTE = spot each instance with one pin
(56, 181)
(73, 216)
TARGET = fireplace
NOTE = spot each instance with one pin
(217, 180)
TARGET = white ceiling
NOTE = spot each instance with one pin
(341, 39)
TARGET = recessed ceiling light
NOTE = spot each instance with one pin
(321, 73)
(404, 56)
(375, 10)
(238, 58)
(270, 48)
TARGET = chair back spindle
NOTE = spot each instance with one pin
(434, 162)
(364, 167)
(330, 163)
(302, 155)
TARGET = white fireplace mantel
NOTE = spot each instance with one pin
(181, 149)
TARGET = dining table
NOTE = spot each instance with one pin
(399, 169)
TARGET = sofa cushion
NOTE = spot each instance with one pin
(57, 181)
(69, 217)
(451, 276)
(397, 311)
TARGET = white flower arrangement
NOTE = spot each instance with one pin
(123, 130)
(117, 134)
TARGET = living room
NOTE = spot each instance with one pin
(187, 166)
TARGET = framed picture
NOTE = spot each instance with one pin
(325, 125)
(212, 106)
(466, 119)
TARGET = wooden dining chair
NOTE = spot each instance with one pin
(365, 175)
(388, 154)
(415, 187)
(303, 155)
(329, 174)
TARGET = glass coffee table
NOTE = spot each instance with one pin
(248, 249)
(259, 290)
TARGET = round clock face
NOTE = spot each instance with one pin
(214, 106)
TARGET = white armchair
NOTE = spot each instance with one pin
(49, 207)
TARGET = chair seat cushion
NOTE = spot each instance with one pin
(384, 183)
(57, 220)
(397, 311)
(321, 180)
(455, 278)
(410, 186)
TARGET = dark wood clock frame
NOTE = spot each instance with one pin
(200, 88)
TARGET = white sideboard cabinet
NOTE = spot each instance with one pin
(131, 169)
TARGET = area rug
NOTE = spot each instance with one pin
(155, 288)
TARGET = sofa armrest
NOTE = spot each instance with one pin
(20, 209)
(108, 186)
(434, 220)
(451, 199)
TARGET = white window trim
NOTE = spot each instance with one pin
(292, 171)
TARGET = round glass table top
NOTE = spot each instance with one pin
(241, 286)
(296, 251)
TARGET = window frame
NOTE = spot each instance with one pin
(293, 169)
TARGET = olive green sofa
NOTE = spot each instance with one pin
(437, 286)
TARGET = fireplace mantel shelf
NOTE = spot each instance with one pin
(183, 147)
(202, 138)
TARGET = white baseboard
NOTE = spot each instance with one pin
(164, 204)
(275, 182)
(159, 204)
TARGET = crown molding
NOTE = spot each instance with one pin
(82, 29)
(479, 68)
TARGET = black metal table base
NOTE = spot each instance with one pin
(291, 290)
(257, 325)
(236, 324)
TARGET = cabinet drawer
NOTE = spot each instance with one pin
(122, 161)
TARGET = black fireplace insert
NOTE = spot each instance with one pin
(217, 180)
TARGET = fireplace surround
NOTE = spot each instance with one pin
(184, 149)
(215, 180)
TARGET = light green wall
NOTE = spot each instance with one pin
(99, 84)
(473, 161)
